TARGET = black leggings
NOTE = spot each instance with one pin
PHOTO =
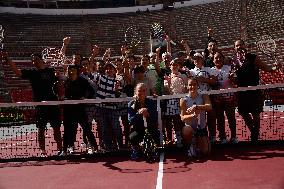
(71, 119)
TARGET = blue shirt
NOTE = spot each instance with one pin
(136, 119)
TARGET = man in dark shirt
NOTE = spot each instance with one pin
(250, 103)
(77, 88)
(42, 80)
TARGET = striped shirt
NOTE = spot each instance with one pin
(106, 87)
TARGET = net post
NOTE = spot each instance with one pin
(160, 120)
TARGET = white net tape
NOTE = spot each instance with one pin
(1, 37)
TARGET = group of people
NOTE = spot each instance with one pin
(194, 117)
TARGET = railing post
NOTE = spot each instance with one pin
(160, 125)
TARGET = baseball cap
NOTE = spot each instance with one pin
(197, 55)
(174, 61)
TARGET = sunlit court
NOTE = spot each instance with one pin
(156, 94)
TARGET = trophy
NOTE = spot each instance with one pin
(158, 36)
(267, 45)
(53, 56)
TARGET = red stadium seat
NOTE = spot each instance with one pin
(276, 95)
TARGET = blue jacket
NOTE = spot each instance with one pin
(136, 120)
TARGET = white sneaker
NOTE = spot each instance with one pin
(70, 150)
(62, 154)
(223, 141)
(43, 154)
(234, 140)
(91, 151)
(191, 152)
(83, 145)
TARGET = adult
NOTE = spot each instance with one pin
(250, 103)
(138, 108)
(193, 113)
(205, 80)
(77, 88)
(224, 103)
(42, 80)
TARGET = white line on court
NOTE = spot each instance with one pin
(160, 172)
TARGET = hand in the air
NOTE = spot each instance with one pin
(123, 49)
(66, 40)
(158, 50)
(107, 52)
(95, 50)
(209, 31)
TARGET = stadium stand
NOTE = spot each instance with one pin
(27, 34)
(231, 19)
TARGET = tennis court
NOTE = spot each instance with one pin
(242, 165)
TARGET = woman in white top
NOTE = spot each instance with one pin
(193, 108)
(224, 103)
(205, 80)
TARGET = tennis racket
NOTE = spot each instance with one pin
(267, 45)
(132, 37)
(158, 32)
(53, 57)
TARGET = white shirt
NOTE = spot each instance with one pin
(205, 72)
(222, 76)
(151, 74)
(178, 83)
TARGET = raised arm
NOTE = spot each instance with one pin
(126, 70)
(169, 47)
(209, 34)
(66, 41)
(123, 50)
(157, 62)
(94, 53)
(186, 48)
(106, 55)
(12, 65)
(263, 66)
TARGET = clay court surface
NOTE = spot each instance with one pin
(228, 167)
(245, 166)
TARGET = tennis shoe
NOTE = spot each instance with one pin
(191, 152)
(234, 140)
